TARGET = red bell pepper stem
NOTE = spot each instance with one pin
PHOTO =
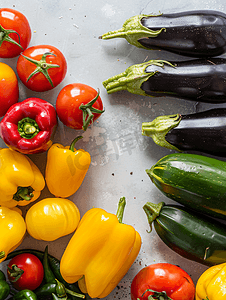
(28, 128)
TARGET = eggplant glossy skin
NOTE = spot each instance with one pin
(204, 131)
(198, 80)
(195, 33)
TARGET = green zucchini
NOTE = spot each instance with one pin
(191, 235)
(196, 181)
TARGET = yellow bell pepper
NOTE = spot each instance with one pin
(66, 169)
(211, 284)
(13, 229)
(21, 181)
(52, 218)
(100, 252)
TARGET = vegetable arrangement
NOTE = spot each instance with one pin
(102, 248)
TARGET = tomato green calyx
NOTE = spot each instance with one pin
(152, 211)
(15, 272)
(42, 66)
(88, 111)
(121, 208)
(23, 193)
(4, 36)
(2, 254)
(28, 128)
(157, 295)
(72, 146)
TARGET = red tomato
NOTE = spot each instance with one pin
(11, 19)
(163, 277)
(69, 101)
(9, 91)
(41, 68)
(33, 271)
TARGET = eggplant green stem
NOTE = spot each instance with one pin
(132, 30)
(72, 146)
(42, 66)
(133, 77)
(121, 209)
(4, 36)
(88, 111)
(159, 127)
(152, 211)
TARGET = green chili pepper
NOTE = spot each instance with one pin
(25, 295)
(4, 289)
(48, 273)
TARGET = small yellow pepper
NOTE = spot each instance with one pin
(100, 252)
(52, 218)
(21, 181)
(13, 229)
(66, 169)
(211, 284)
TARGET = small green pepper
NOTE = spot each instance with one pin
(25, 295)
(4, 286)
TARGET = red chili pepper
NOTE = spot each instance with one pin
(29, 126)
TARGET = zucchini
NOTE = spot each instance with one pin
(200, 80)
(193, 33)
(196, 181)
(203, 131)
(189, 234)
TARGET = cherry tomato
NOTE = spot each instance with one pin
(41, 68)
(15, 33)
(78, 105)
(170, 280)
(9, 91)
(25, 271)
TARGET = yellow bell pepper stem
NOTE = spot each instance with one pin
(72, 146)
(66, 169)
(100, 252)
(211, 285)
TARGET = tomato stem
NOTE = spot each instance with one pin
(15, 272)
(42, 66)
(157, 295)
(88, 111)
(4, 36)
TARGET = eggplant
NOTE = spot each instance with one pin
(193, 33)
(203, 131)
(202, 80)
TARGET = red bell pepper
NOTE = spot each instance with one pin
(29, 126)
